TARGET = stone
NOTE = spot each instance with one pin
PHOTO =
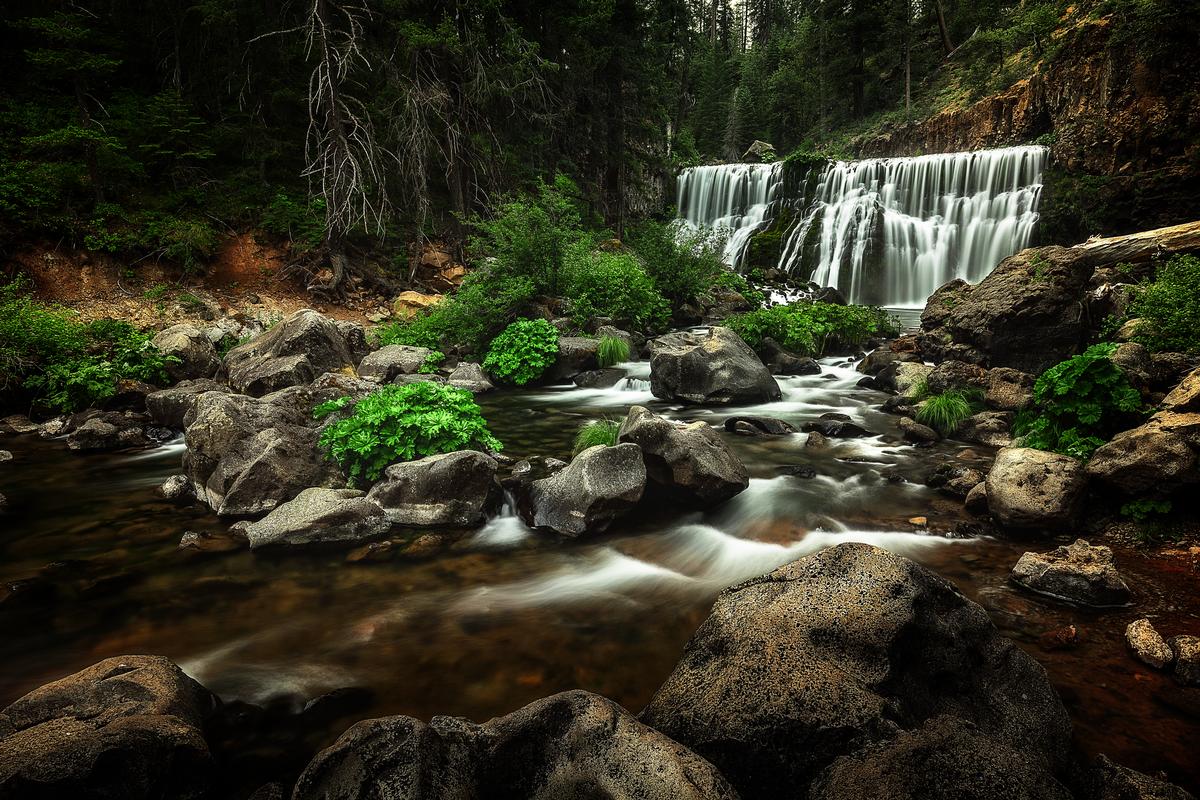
(94, 432)
(470, 376)
(816, 441)
(319, 516)
(1033, 489)
(408, 304)
(1143, 460)
(1008, 389)
(5, 455)
(768, 426)
(836, 428)
(1187, 659)
(917, 433)
(1185, 397)
(197, 358)
(127, 727)
(976, 501)
(456, 489)
(599, 378)
(950, 375)
(687, 463)
(576, 354)
(612, 332)
(19, 423)
(781, 361)
(955, 480)
(207, 542)
(1133, 359)
(715, 368)
(990, 428)
(1079, 572)
(178, 489)
(1147, 644)
(1167, 370)
(844, 651)
(599, 484)
(395, 359)
(294, 352)
(1129, 329)
(570, 745)
(902, 377)
(168, 407)
(1110, 781)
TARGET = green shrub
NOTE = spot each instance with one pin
(401, 423)
(946, 411)
(1078, 404)
(32, 333)
(303, 224)
(615, 285)
(1170, 307)
(813, 328)
(596, 432)
(523, 351)
(1141, 510)
(683, 264)
(728, 279)
(431, 362)
(612, 350)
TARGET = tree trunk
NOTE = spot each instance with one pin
(89, 149)
(941, 17)
(1144, 245)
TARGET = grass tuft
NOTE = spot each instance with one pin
(945, 412)
(612, 351)
(598, 431)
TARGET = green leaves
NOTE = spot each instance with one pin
(523, 351)
(615, 285)
(402, 423)
(1170, 307)
(946, 411)
(612, 351)
(812, 328)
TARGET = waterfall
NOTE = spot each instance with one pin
(886, 231)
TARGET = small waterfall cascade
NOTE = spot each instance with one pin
(735, 199)
(885, 231)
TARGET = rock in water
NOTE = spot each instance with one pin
(470, 376)
(1187, 659)
(1078, 572)
(576, 354)
(197, 356)
(709, 368)
(455, 489)
(854, 651)
(599, 484)
(127, 727)
(688, 462)
(1029, 488)
(319, 516)
(570, 745)
(1147, 644)
(294, 352)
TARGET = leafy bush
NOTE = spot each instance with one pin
(945, 412)
(1170, 307)
(596, 432)
(615, 285)
(1078, 404)
(682, 263)
(303, 224)
(1141, 510)
(728, 279)
(523, 351)
(431, 362)
(32, 333)
(612, 351)
(401, 423)
(813, 328)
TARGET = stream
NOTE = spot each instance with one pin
(503, 615)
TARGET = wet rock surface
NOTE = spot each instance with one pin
(453, 489)
(715, 368)
(1079, 572)
(1147, 644)
(687, 462)
(319, 516)
(599, 484)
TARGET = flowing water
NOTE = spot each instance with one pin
(885, 231)
(500, 616)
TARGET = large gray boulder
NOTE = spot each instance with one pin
(168, 407)
(690, 463)
(599, 484)
(294, 352)
(1143, 460)
(395, 359)
(571, 745)
(576, 354)
(716, 367)
(453, 489)
(1078, 572)
(197, 356)
(127, 727)
(1033, 489)
(848, 650)
(319, 516)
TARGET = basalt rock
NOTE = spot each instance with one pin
(319, 516)
(1033, 489)
(395, 359)
(197, 358)
(690, 463)
(1078, 572)
(453, 489)
(599, 484)
(716, 367)
(168, 407)
(294, 352)
(1143, 460)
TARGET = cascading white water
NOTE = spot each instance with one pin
(887, 231)
(734, 199)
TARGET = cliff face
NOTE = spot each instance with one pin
(1124, 133)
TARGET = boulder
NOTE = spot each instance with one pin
(782, 361)
(576, 354)
(470, 376)
(178, 489)
(570, 745)
(902, 377)
(1008, 389)
(599, 484)
(976, 501)
(917, 433)
(1078, 572)
(848, 649)
(197, 356)
(1147, 644)
(97, 431)
(1109, 781)
(408, 304)
(1168, 369)
(599, 378)
(127, 727)
(1033, 489)
(168, 407)
(395, 359)
(716, 367)
(955, 480)
(319, 516)
(991, 428)
(612, 332)
(5, 455)
(835, 428)
(768, 426)
(454, 489)
(1133, 359)
(294, 352)
(1185, 397)
(1187, 659)
(688, 463)
(951, 375)
(1143, 460)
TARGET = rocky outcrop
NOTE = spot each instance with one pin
(1109, 781)
(453, 489)
(395, 359)
(1078, 572)
(1147, 644)
(1033, 489)
(318, 516)
(715, 368)
(294, 352)
(854, 660)
(127, 727)
(599, 484)
(197, 358)
(689, 463)
(1143, 460)
(168, 407)
(570, 745)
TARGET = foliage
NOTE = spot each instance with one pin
(1144, 508)
(1078, 404)
(431, 362)
(523, 351)
(615, 285)
(1170, 307)
(946, 411)
(32, 334)
(597, 432)
(728, 279)
(681, 262)
(302, 223)
(812, 328)
(401, 423)
(612, 350)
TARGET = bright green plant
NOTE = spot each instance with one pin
(523, 351)
(615, 285)
(1078, 404)
(75, 384)
(401, 423)
(1170, 307)
(596, 432)
(945, 412)
(813, 328)
(33, 333)
(919, 390)
(431, 362)
(682, 263)
(728, 279)
(612, 350)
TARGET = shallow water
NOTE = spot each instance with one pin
(504, 615)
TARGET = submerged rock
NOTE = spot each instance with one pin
(1147, 644)
(453, 489)
(319, 516)
(955, 480)
(599, 484)
(571, 745)
(127, 727)
(716, 367)
(1078, 572)
(1029, 488)
(836, 428)
(294, 352)
(690, 463)
(917, 433)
